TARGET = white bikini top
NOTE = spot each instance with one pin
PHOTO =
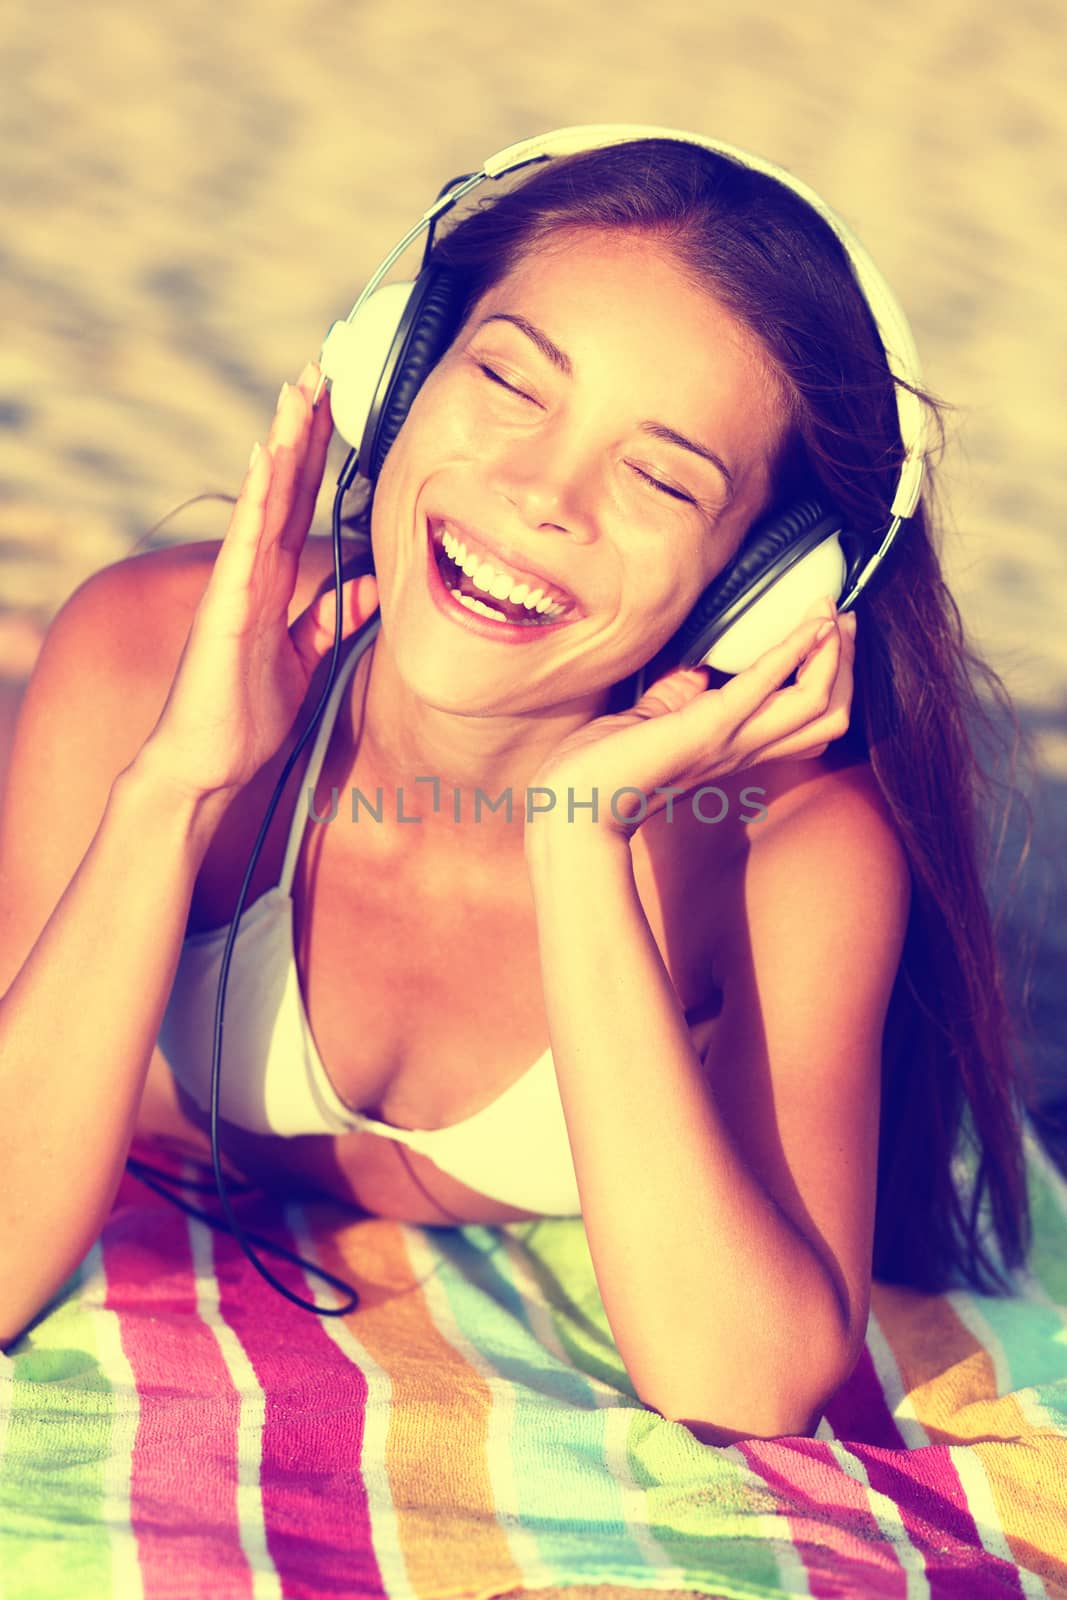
(516, 1149)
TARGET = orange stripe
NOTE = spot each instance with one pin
(436, 1450)
(949, 1378)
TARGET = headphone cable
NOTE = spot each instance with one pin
(142, 1170)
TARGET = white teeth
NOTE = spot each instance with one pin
(472, 604)
(501, 585)
(483, 578)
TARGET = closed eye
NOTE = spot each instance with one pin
(664, 488)
(510, 387)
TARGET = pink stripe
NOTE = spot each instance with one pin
(859, 1411)
(183, 1500)
(925, 1487)
(314, 1499)
(843, 1549)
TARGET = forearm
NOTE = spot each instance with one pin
(78, 1024)
(720, 1308)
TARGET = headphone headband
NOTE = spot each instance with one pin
(892, 325)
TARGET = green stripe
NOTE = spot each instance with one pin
(1047, 1190)
(54, 1542)
(699, 1503)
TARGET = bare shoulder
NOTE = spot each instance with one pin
(96, 692)
(805, 797)
(825, 838)
(171, 581)
(129, 623)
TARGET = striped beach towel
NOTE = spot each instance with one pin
(171, 1427)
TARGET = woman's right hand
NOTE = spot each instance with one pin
(244, 672)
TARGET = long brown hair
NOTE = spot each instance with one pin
(955, 1077)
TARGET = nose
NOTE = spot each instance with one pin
(550, 479)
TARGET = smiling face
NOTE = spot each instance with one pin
(600, 429)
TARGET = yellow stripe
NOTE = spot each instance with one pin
(948, 1376)
(436, 1451)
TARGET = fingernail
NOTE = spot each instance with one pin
(282, 392)
(821, 633)
(253, 457)
(309, 375)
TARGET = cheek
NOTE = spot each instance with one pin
(435, 434)
(659, 590)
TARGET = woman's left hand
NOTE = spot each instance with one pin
(681, 734)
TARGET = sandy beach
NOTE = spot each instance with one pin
(193, 195)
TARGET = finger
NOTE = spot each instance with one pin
(310, 480)
(289, 441)
(825, 671)
(815, 736)
(758, 687)
(224, 602)
(314, 631)
(671, 692)
(793, 712)
(240, 543)
(813, 740)
(794, 709)
(714, 718)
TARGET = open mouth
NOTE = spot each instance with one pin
(492, 591)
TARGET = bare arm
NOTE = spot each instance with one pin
(121, 770)
(77, 1028)
(729, 1201)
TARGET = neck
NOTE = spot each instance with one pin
(441, 780)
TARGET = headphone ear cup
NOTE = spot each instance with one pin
(357, 352)
(430, 319)
(782, 569)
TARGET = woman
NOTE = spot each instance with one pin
(765, 1020)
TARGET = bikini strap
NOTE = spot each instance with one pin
(302, 809)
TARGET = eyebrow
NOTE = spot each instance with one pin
(656, 430)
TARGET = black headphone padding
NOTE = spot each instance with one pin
(762, 547)
(429, 322)
(772, 547)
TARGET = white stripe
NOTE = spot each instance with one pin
(792, 1574)
(7, 1395)
(965, 1308)
(902, 1408)
(514, 1265)
(500, 1425)
(381, 1508)
(512, 1254)
(1033, 1411)
(251, 1530)
(125, 1416)
(900, 1404)
(887, 1516)
(1027, 1287)
(982, 1506)
(968, 1465)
